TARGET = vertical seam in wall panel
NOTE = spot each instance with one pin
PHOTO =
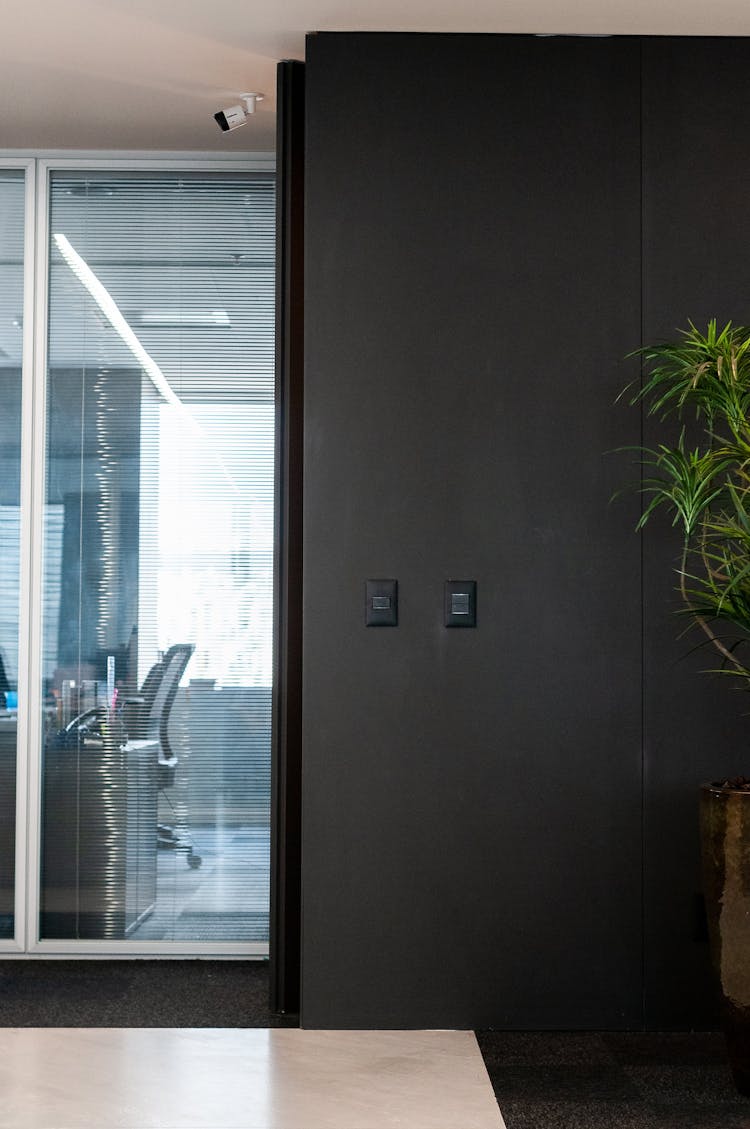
(642, 559)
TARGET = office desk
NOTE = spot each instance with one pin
(98, 839)
(8, 733)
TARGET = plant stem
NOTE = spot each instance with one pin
(728, 656)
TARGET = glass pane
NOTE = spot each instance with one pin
(158, 558)
(11, 347)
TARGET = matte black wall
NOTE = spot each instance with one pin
(499, 825)
(472, 799)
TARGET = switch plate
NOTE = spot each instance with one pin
(460, 605)
(381, 603)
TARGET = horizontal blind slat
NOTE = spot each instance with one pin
(160, 462)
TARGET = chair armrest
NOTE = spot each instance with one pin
(84, 718)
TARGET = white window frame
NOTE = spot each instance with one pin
(39, 167)
(28, 166)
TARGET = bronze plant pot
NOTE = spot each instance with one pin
(725, 842)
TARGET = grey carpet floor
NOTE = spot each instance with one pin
(136, 993)
(617, 1080)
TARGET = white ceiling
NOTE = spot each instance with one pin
(149, 74)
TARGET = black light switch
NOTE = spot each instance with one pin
(460, 603)
(381, 607)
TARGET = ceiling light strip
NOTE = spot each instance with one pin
(114, 316)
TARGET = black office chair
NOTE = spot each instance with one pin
(145, 717)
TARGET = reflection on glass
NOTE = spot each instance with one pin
(158, 558)
(11, 323)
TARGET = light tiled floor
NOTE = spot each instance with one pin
(108, 1078)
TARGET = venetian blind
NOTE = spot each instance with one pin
(160, 455)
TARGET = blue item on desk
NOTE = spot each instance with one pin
(11, 700)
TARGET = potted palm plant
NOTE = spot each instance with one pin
(701, 382)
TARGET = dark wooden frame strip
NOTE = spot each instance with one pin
(285, 922)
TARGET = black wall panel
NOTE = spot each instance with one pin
(696, 188)
(471, 799)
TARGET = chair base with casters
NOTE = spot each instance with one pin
(169, 838)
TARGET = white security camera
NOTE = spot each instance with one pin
(231, 118)
(235, 116)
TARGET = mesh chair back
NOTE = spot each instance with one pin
(173, 667)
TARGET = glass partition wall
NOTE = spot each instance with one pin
(150, 545)
(12, 229)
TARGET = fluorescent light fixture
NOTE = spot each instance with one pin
(179, 318)
(116, 319)
(114, 316)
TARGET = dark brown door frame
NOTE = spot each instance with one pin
(286, 775)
